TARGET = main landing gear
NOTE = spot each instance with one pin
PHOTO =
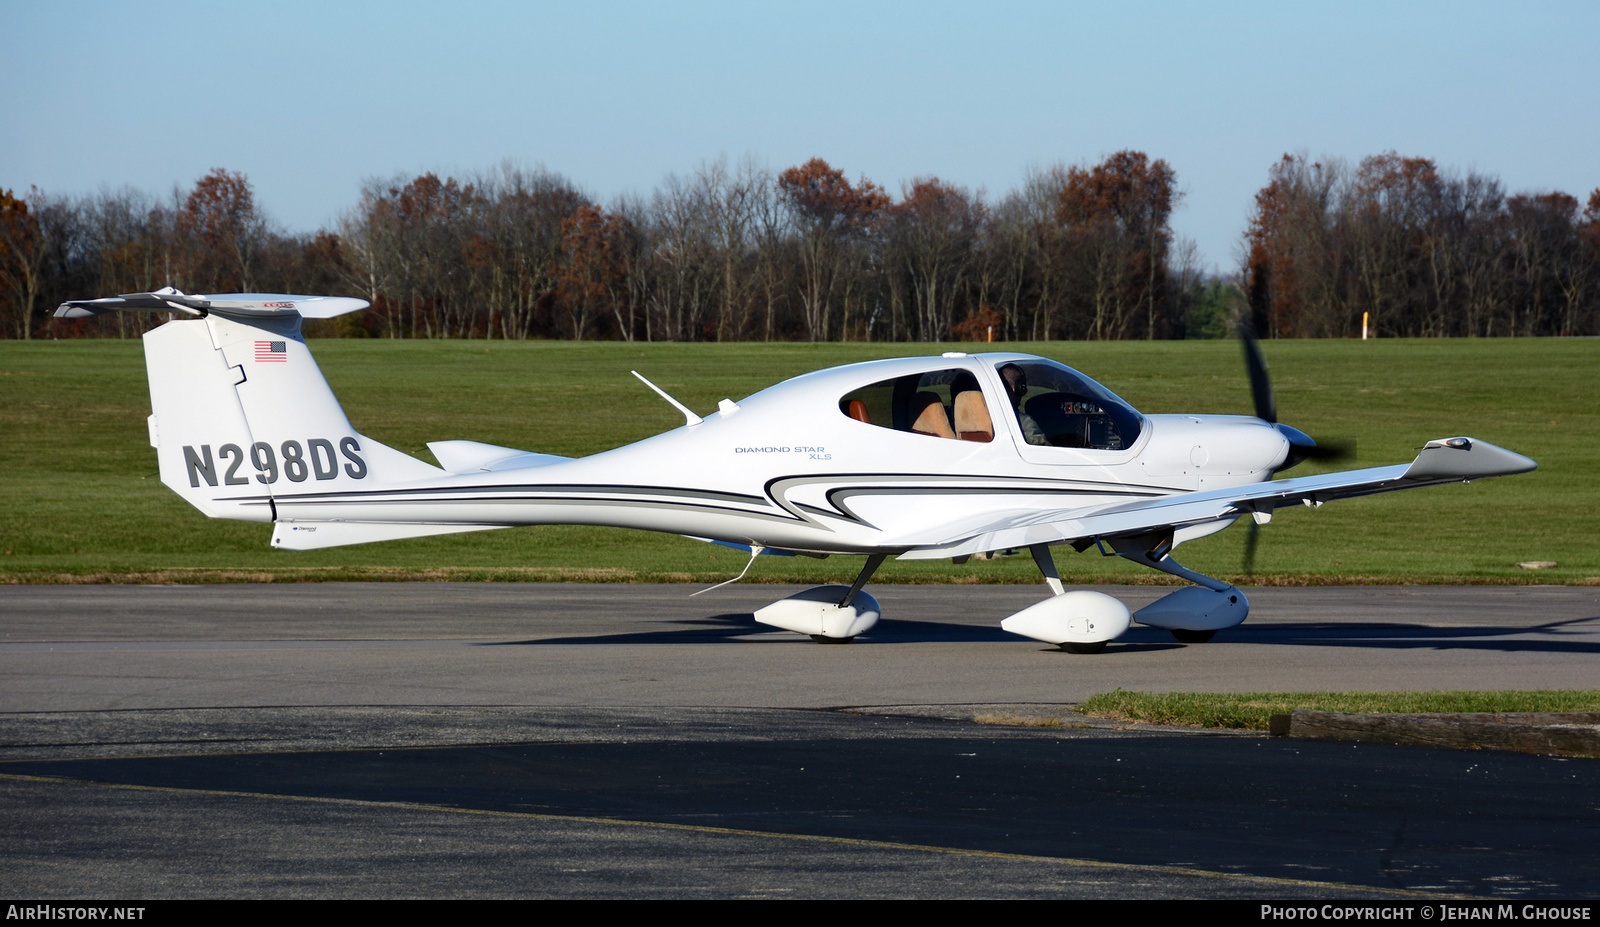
(1084, 622)
(1077, 621)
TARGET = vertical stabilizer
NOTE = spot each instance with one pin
(242, 415)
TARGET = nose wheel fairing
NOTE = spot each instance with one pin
(1195, 610)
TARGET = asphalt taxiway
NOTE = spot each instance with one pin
(460, 740)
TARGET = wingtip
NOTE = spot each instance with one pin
(1465, 458)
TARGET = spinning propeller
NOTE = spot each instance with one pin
(1301, 445)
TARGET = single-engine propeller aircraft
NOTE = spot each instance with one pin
(915, 458)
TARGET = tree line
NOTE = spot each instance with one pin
(1417, 252)
(742, 253)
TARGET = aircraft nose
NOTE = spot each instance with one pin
(1302, 448)
(1226, 447)
(1297, 438)
(1252, 446)
(1299, 446)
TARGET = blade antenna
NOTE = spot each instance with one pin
(755, 551)
(689, 417)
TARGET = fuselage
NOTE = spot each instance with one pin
(872, 457)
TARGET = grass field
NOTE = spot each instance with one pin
(1253, 710)
(80, 499)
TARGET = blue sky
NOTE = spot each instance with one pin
(311, 98)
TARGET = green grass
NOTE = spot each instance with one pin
(80, 499)
(1251, 710)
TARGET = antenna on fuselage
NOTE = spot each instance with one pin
(689, 417)
(755, 551)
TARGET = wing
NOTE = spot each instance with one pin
(1448, 460)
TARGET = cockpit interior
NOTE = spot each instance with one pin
(1053, 405)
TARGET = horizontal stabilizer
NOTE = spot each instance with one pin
(168, 299)
(474, 456)
(746, 548)
(312, 535)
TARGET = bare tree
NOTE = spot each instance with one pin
(685, 252)
(730, 200)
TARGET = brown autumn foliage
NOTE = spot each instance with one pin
(591, 279)
(1418, 251)
(21, 261)
(832, 219)
(735, 252)
(981, 325)
(1116, 216)
(930, 250)
(219, 225)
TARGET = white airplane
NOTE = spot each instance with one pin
(915, 458)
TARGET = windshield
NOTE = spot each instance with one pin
(1057, 406)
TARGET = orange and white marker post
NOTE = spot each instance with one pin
(1364, 326)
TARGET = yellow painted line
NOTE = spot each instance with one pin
(741, 832)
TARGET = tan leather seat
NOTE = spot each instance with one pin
(972, 417)
(931, 416)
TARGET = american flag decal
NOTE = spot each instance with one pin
(272, 352)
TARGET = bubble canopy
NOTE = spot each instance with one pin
(1051, 404)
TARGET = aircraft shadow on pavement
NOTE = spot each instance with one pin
(742, 628)
(1543, 638)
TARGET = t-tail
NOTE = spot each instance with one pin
(243, 420)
